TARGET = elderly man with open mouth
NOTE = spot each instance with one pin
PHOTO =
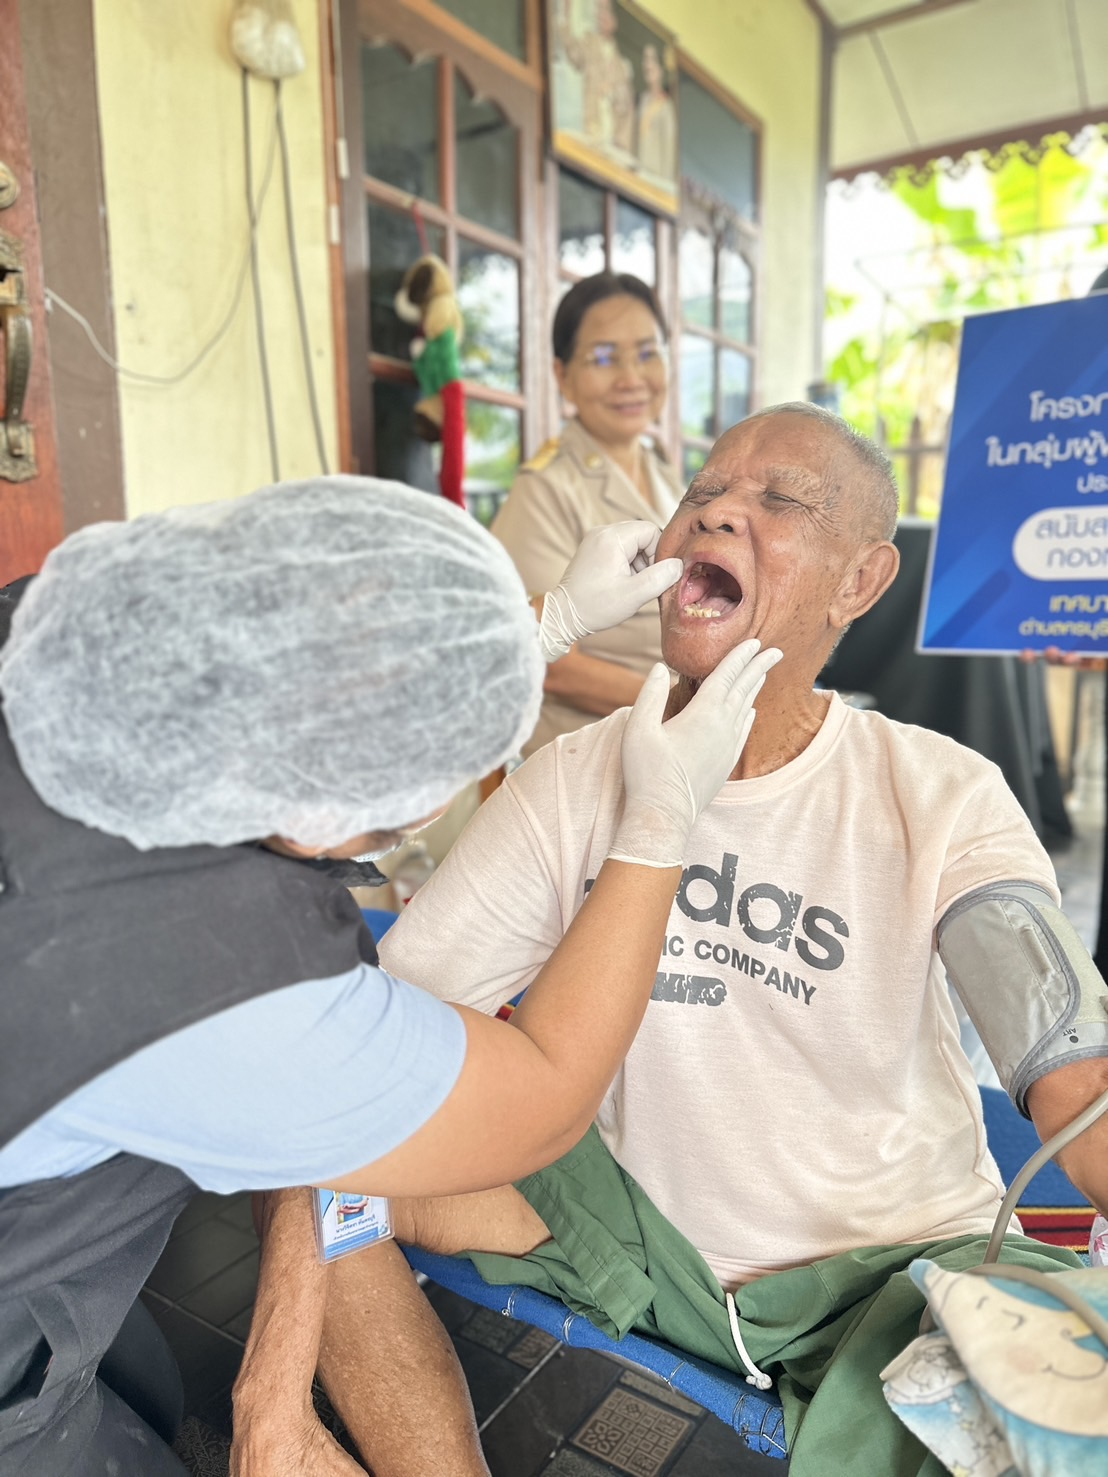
(795, 1121)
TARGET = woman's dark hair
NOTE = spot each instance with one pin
(585, 294)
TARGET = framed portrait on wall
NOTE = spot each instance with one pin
(612, 85)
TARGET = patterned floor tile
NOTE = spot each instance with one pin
(492, 1330)
(657, 1389)
(531, 1348)
(633, 1435)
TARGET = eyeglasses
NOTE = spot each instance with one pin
(646, 357)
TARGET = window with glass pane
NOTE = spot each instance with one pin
(715, 272)
(487, 162)
(696, 270)
(633, 247)
(398, 453)
(488, 294)
(734, 387)
(492, 456)
(718, 150)
(580, 225)
(501, 21)
(401, 120)
(394, 245)
(692, 459)
(698, 389)
(736, 282)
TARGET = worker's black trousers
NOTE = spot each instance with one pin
(87, 1382)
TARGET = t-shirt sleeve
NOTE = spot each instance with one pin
(489, 917)
(992, 840)
(295, 1087)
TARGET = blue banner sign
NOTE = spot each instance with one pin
(1019, 560)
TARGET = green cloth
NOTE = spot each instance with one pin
(439, 363)
(824, 1332)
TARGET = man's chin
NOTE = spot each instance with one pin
(694, 654)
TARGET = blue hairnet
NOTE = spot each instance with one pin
(316, 660)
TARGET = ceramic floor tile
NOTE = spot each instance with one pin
(633, 1435)
(569, 1463)
(717, 1451)
(197, 1255)
(555, 1401)
(648, 1384)
(531, 1348)
(492, 1330)
(490, 1377)
(224, 1296)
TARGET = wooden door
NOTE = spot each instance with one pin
(30, 485)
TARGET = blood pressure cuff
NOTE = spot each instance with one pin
(1027, 982)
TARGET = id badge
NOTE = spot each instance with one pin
(345, 1223)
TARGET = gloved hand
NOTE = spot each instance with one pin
(608, 579)
(672, 770)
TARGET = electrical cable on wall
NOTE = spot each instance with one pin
(266, 43)
(139, 376)
(298, 290)
(255, 278)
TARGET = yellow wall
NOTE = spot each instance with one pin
(174, 169)
(172, 137)
(767, 54)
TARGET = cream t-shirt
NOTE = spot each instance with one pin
(797, 1088)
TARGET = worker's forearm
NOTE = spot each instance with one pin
(1054, 1102)
(595, 686)
(541, 1084)
(588, 1000)
(279, 1364)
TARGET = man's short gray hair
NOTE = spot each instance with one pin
(877, 486)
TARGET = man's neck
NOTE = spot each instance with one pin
(789, 717)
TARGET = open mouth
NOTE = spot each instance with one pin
(709, 592)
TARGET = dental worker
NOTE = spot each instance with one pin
(210, 717)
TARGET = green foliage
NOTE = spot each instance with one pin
(1007, 237)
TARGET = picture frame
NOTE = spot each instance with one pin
(612, 90)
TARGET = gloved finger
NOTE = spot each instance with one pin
(635, 536)
(651, 582)
(650, 705)
(747, 683)
(731, 669)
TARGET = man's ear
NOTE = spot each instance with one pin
(866, 581)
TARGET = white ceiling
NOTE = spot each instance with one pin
(912, 79)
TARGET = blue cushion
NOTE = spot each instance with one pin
(755, 1414)
(379, 921)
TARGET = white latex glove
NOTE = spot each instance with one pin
(610, 577)
(672, 770)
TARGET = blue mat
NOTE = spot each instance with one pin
(754, 1414)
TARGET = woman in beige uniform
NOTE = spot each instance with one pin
(610, 364)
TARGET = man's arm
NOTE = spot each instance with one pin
(277, 1431)
(1054, 1102)
(459, 939)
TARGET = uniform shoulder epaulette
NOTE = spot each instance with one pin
(544, 456)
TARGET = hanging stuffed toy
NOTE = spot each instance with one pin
(426, 297)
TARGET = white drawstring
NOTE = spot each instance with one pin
(755, 1376)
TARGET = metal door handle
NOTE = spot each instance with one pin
(17, 446)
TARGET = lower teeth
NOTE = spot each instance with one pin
(703, 612)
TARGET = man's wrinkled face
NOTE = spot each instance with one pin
(766, 532)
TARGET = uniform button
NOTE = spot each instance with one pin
(593, 461)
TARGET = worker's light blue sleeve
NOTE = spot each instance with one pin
(295, 1087)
